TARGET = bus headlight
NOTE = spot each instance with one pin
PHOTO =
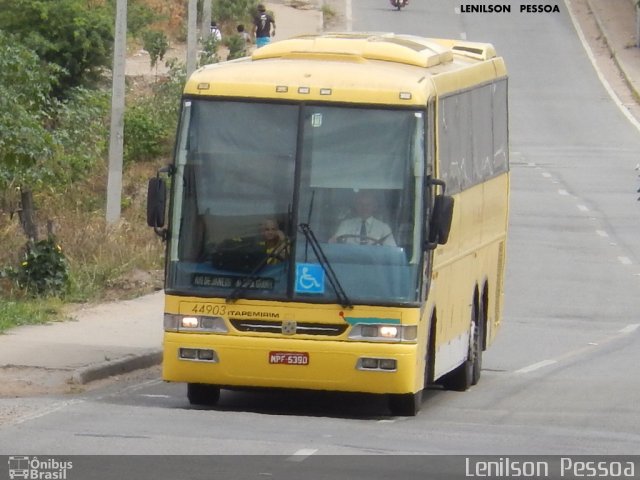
(189, 323)
(384, 333)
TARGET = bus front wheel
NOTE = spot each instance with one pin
(201, 394)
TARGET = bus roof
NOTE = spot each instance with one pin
(379, 68)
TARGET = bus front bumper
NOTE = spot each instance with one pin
(235, 361)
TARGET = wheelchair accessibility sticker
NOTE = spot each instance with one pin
(309, 278)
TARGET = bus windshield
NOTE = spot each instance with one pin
(249, 174)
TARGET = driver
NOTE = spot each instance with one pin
(364, 228)
(274, 241)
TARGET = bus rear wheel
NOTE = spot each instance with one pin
(201, 394)
(405, 404)
(479, 344)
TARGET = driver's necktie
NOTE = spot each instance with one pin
(363, 232)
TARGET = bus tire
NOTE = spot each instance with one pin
(478, 339)
(461, 378)
(430, 357)
(405, 404)
(201, 394)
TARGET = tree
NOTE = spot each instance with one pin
(75, 35)
(25, 84)
(156, 43)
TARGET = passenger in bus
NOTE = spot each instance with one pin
(363, 228)
(275, 242)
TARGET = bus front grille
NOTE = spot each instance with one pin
(288, 328)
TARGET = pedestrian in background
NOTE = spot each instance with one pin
(215, 31)
(264, 26)
(246, 38)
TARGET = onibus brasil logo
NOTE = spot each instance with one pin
(38, 469)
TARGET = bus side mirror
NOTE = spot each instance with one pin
(440, 222)
(156, 202)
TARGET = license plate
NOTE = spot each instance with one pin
(289, 358)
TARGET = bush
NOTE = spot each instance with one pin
(140, 16)
(226, 11)
(43, 270)
(150, 124)
(144, 134)
(237, 47)
(156, 43)
(209, 53)
(82, 132)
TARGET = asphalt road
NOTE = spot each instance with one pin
(561, 377)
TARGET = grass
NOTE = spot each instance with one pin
(14, 313)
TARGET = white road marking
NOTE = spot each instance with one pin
(302, 454)
(546, 174)
(602, 233)
(46, 411)
(563, 192)
(583, 208)
(578, 351)
(536, 366)
(625, 260)
(630, 328)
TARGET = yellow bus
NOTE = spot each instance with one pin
(337, 218)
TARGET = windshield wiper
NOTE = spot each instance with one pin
(326, 266)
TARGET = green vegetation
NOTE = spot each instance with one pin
(236, 46)
(16, 313)
(156, 43)
(74, 35)
(25, 86)
(329, 15)
(231, 12)
(43, 269)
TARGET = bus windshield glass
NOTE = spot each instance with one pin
(249, 174)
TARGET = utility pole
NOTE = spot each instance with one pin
(116, 138)
(638, 23)
(192, 40)
(206, 19)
